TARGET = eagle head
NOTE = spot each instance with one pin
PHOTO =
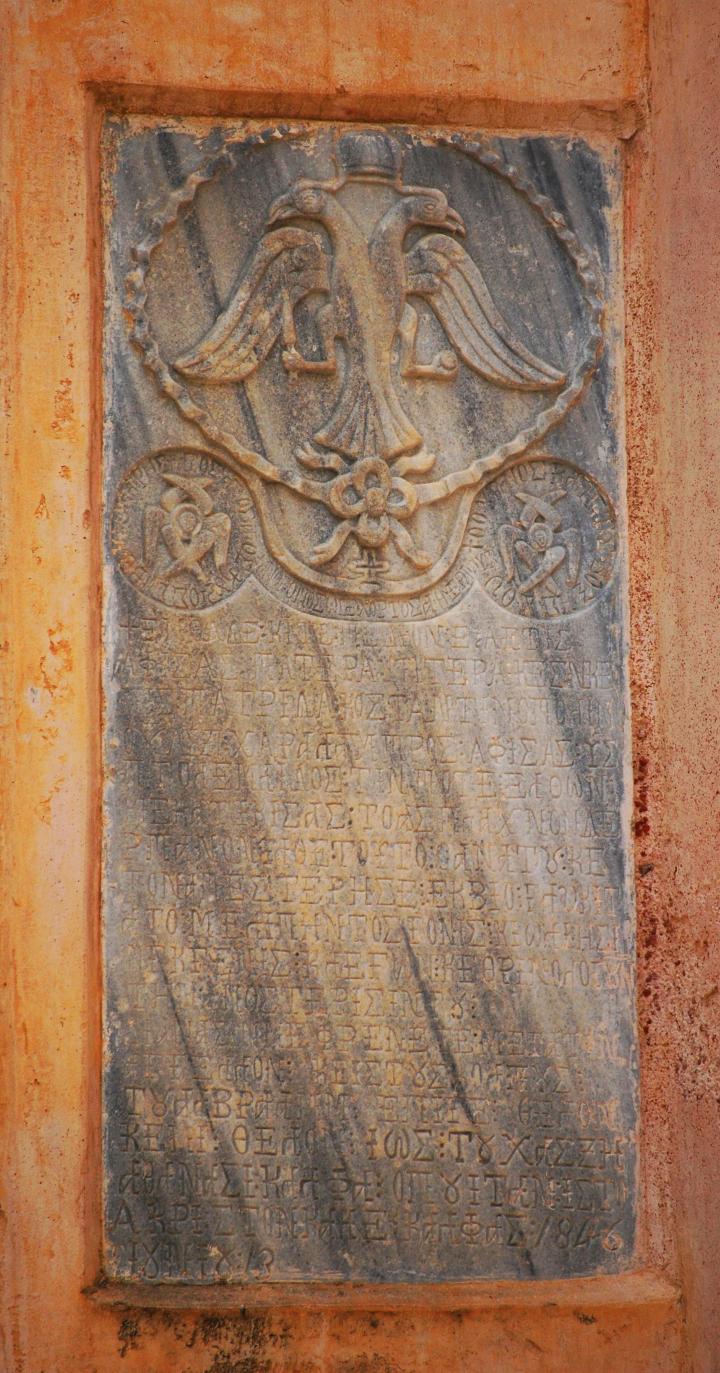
(429, 206)
(305, 199)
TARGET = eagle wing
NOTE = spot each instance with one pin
(441, 272)
(288, 265)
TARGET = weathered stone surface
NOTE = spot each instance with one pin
(368, 934)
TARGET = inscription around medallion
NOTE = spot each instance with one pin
(367, 922)
(182, 529)
(546, 538)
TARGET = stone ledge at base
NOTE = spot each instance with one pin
(630, 1290)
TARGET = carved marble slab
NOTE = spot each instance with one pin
(367, 921)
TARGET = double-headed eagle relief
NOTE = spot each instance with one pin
(354, 334)
(367, 276)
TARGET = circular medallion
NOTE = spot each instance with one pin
(367, 356)
(183, 530)
(545, 539)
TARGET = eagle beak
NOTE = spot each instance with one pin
(282, 208)
(454, 223)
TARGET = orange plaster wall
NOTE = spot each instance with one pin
(674, 232)
(557, 64)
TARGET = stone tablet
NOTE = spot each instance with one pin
(368, 932)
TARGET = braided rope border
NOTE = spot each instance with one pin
(428, 492)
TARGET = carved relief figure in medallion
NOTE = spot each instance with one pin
(537, 543)
(189, 528)
(556, 552)
(182, 529)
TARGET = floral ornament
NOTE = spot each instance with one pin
(370, 503)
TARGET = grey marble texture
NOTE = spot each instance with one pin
(367, 912)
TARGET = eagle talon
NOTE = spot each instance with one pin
(445, 364)
(444, 367)
(293, 361)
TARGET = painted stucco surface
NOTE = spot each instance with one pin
(554, 66)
